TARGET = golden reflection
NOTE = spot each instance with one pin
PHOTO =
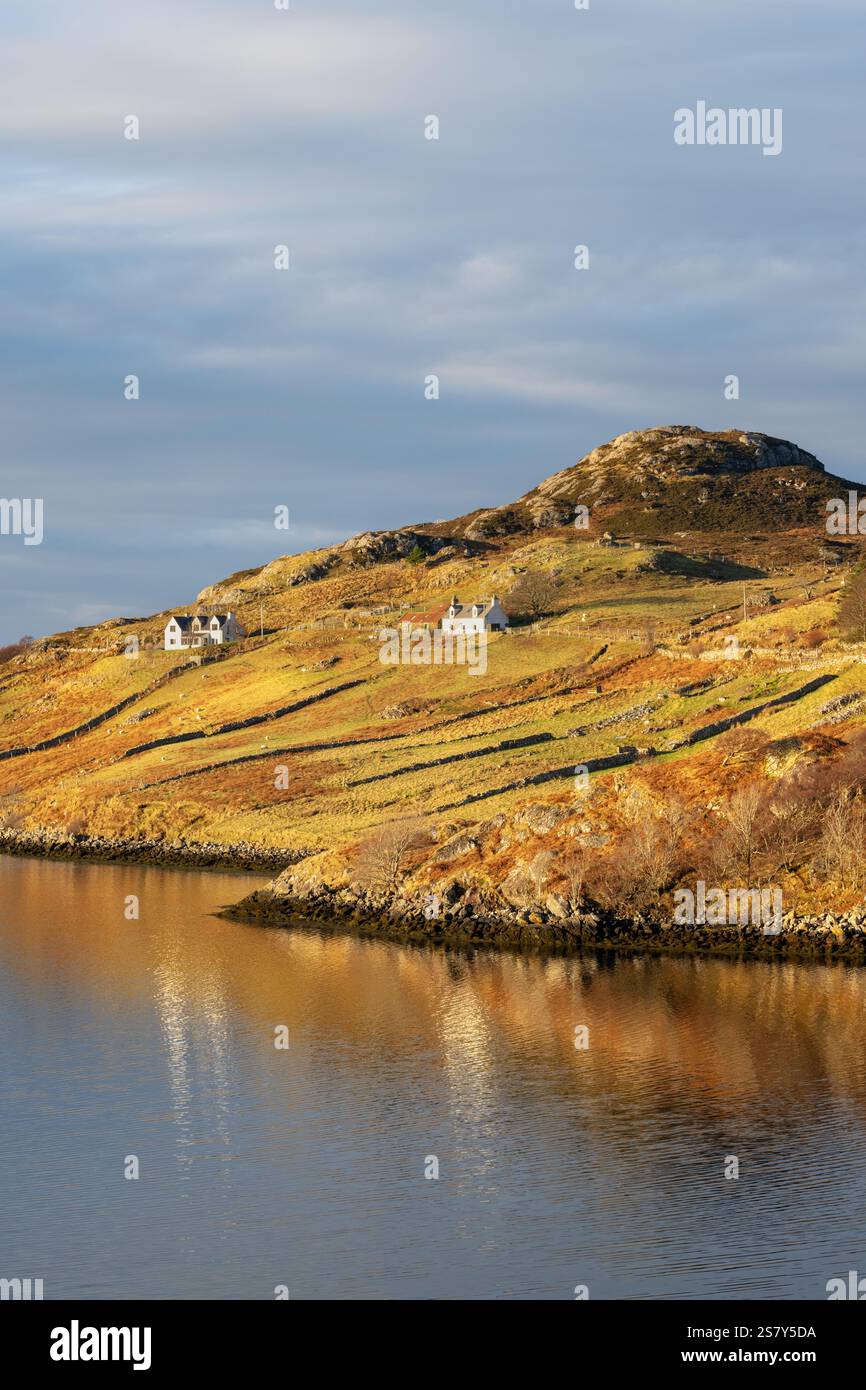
(466, 1050)
(662, 1031)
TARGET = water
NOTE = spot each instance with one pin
(305, 1168)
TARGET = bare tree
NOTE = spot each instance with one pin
(531, 596)
(539, 871)
(843, 839)
(651, 853)
(785, 837)
(742, 813)
(574, 871)
(677, 817)
(383, 857)
(742, 746)
(15, 648)
(652, 846)
(636, 869)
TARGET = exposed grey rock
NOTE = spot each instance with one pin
(542, 816)
(556, 905)
(454, 848)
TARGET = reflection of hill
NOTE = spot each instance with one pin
(665, 1034)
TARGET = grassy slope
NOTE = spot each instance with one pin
(536, 682)
(358, 757)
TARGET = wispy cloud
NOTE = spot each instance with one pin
(305, 388)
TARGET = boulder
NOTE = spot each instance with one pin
(455, 847)
(542, 817)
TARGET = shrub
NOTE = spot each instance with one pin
(382, 859)
(15, 648)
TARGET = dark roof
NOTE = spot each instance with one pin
(432, 616)
(186, 620)
(462, 610)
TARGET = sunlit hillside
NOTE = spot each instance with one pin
(675, 609)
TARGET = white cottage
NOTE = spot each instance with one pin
(487, 615)
(201, 630)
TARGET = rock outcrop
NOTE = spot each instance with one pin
(462, 916)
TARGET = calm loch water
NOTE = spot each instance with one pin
(305, 1167)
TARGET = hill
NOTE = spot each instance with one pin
(694, 615)
(674, 477)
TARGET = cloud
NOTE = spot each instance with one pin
(202, 70)
(408, 256)
(257, 535)
(537, 377)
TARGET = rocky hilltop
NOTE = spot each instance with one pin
(674, 476)
(649, 483)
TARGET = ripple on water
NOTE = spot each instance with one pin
(557, 1166)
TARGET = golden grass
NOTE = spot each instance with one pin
(535, 682)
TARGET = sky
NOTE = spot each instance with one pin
(408, 257)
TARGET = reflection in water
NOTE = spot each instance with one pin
(168, 1001)
(306, 1167)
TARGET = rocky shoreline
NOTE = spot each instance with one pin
(145, 850)
(456, 919)
(287, 902)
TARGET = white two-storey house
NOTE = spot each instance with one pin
(486, 615)
(201, 630)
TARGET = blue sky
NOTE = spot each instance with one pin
(304, 388)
